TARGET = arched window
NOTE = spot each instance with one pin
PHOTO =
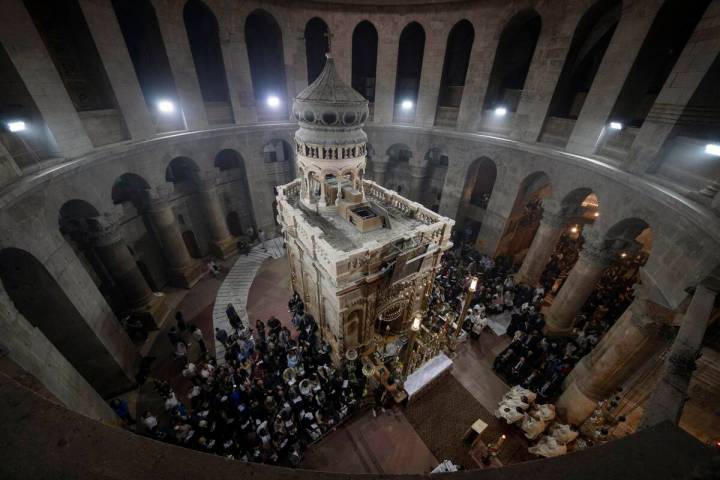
(267, 68)
(316, 46)
(590, 41)
(457, 58)
(512, 61)
(411, 49)
(364, 59)
(664, 43)
(204, 37)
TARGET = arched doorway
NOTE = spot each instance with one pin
(524, 218)
(234, 188)
(476, 193)
(457, 59)
(191, 243)
(397, 177)
(437, 167)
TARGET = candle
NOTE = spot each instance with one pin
(500, 441)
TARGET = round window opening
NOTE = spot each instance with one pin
(329, 118)
(349, 118)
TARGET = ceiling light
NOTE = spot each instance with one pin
(406, 104)
(273, 101)
(616, 125)
(16, 126)
(713, 149)
(501, 111)
(165, 106)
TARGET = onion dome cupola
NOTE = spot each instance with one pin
(330, 115)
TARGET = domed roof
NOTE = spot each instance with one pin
(329, 88)
(328, 104)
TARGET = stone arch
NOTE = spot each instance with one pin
(132, 188)
(316, 46)
(455, 66)
(399, 156)
(437, 162)
(182, 170)
(139, 26)
(524, 218)
(411, 50)
(234, 190)
(478, 187)
(39, 297)
(670, 31)
(512, 60)
(279, 151)
(590, 41)
(364, 59)
(629, 235)
(203, 34)
(264, 41)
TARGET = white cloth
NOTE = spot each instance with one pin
(545, 413)
(510, 415)
(517, 392)
(548, 447)
(532, 427)
(562, 433)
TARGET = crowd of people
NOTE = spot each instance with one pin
(276, 392)
(532, 359)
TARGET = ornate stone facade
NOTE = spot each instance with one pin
(361, 256)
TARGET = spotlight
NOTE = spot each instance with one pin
(616, 125)
(273, 101)
(16, 126)
(500, 111)
(165, 106)
(713, 149)
(406, 104)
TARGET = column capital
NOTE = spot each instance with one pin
(159, 196)
(553, 219)
(108, 230)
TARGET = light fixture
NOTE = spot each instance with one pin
(273, 101)
(416, 322)
(16, 126)
(713, 149)
(406, 105)
(623, 255)
(616, 125)
(574, 229)
(473, 284)
(500, 111)
(165, 106)
(596, 214)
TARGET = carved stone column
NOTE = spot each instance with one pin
(546, 239)
(183, 270)
(637, 334)
(417, 178)
(222, 243)
(577, 288)
(668, 398)
(115, 256)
